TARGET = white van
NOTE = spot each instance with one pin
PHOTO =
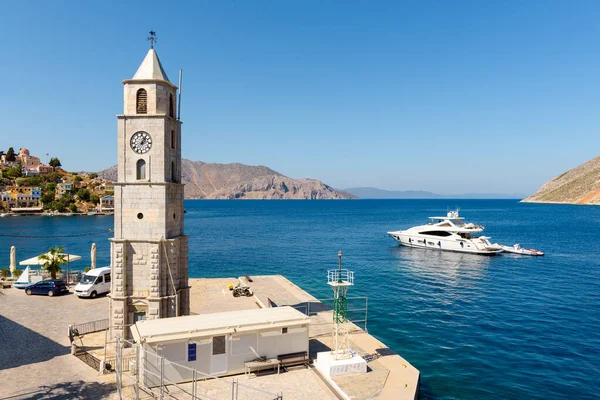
(96, 281)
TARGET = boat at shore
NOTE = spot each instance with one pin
(27, 278)
(517, 249)
(449, 233)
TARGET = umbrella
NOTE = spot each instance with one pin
(36, 260)
(93, 256)
(13, 261)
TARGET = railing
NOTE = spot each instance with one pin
(89, 327)
(340, 276)
(151, 371)
(355, 311)
(88, 358)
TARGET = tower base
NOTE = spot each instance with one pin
(331, 367)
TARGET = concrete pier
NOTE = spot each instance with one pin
(389, 375)
(40, 350)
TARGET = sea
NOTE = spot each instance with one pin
(476, 327)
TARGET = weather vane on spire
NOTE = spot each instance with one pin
(152, 38)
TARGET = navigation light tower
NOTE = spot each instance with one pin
(340, 280)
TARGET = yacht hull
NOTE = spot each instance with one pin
(442, 244)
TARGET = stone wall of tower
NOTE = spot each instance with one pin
(158, 159)
(160, 206)
(158, 97)
(149, 252)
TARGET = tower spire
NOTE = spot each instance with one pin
(152, 38)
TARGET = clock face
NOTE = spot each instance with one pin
(141, 142)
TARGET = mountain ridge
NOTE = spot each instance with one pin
(579, 185)
(240, 181)
(376, 193)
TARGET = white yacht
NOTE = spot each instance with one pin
(450, 233)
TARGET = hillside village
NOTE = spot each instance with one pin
(28, 186)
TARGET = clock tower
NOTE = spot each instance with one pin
(149, 251)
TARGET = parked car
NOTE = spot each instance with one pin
(50, 287)
(96, 281)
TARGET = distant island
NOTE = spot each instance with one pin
(580, 185)
(239, 181)
(375, 193)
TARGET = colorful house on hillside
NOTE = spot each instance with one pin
(31, 164)
(107, 204)
(23, 197)
(5, 200)
(62, 188)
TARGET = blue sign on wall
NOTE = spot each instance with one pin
(192, 352)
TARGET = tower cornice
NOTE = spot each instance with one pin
(146, 116)
(147, 183)
(126, 81)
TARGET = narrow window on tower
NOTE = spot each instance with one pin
(171, 113)
(141, 102)
(172, 139)
(173, 174)
(140, 169)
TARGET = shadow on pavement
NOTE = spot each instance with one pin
(67, 390)
(22, 346)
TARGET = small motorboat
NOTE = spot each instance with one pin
(517, 249)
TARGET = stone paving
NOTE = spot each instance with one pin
(389, 376)
(35, 359)
(37, 363)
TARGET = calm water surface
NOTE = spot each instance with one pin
(476, 327)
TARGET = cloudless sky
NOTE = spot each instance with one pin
(447, 96)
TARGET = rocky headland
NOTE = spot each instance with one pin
(239, 181)
(580, 185)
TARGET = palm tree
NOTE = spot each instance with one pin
(53, 260)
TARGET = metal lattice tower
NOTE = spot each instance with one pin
(340, 280)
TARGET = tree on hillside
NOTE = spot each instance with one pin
(94, 199)
(93, 175)
(51, 177)
(48, 197)
(55, 162)
(53, 260)
(10, 155)
(83, 194)
(14, 172)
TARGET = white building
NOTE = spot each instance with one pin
(62, 188)
(107, 203)
(218, 344)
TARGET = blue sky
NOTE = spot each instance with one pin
(452, 97)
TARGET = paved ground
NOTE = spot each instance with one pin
(298, 383)
(389, 376)
(212, 295)
(35, 359)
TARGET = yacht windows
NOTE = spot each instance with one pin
(436, 233)
(465, 235)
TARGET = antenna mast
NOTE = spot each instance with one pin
(179, 100)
